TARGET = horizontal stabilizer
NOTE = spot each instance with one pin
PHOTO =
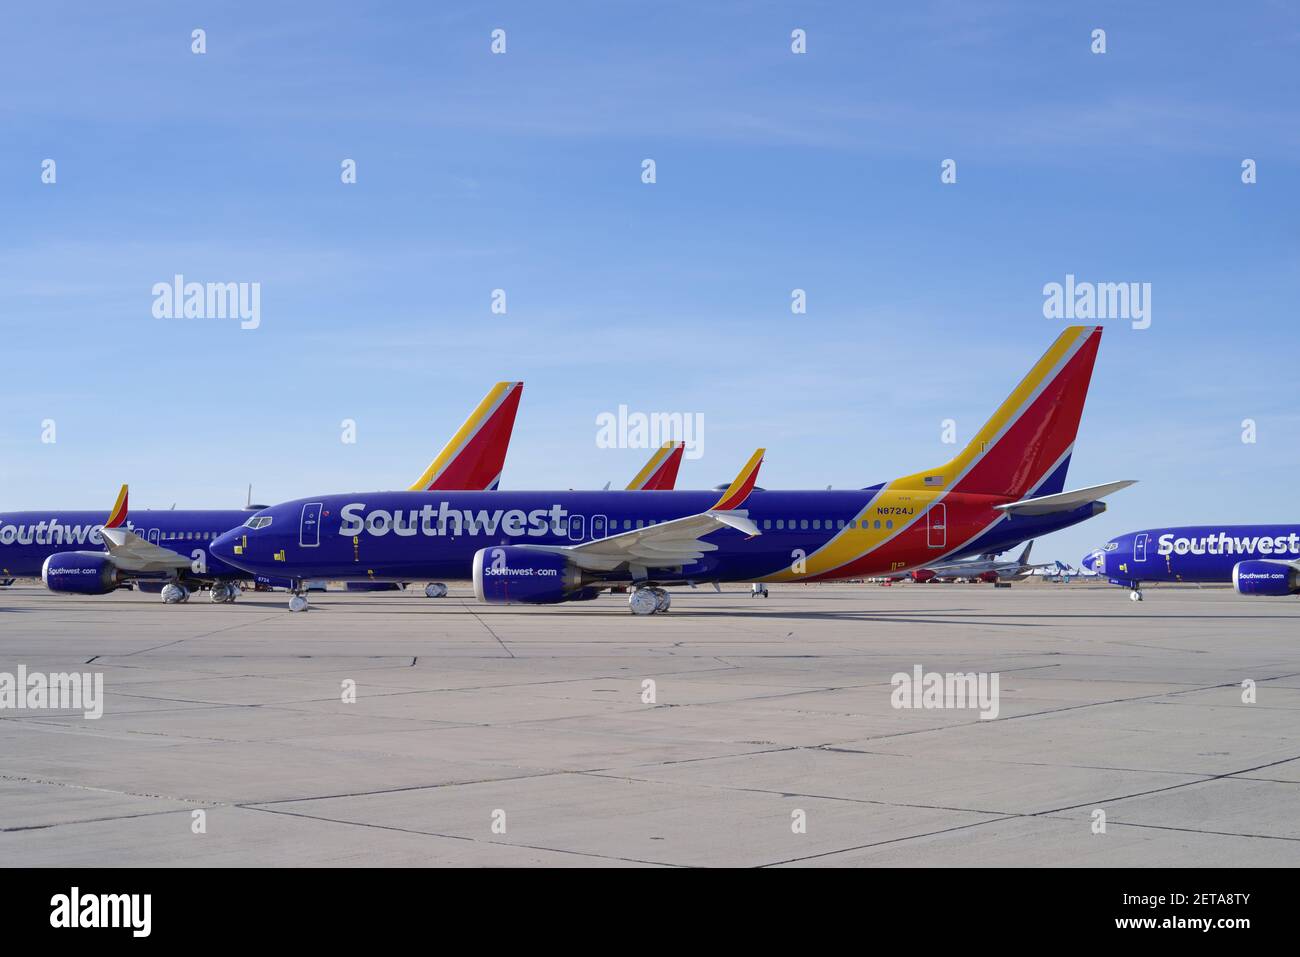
(1063, 501)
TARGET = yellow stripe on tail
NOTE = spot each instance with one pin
(117, 515)
(742, 485)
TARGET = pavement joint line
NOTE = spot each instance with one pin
(232, 627)
(462, 837)
(479, 618)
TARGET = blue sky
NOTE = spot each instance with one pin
(522, 172)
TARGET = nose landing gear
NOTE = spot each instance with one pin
(758, 590)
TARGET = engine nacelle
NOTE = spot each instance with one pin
(505, 574)
(989, 577)
(1265, 578)
(923, 575)
(81, 573)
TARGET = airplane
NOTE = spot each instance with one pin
(1256, 559)
(545, 547)
(658, 474)
(170, 550)
(985, 568)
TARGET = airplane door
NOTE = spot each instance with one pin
(576, 525)
(1140, 548)
(309, 534)
(937, 521)
(598, 526)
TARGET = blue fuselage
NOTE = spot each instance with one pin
(28, 538)
(405, 536)
(1191, 553)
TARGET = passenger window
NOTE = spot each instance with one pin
(889, 523)
(817, 523)
(780, 523)
(803, 523)
(877, 523)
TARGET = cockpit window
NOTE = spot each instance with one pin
(258, 521)
(1111, 546)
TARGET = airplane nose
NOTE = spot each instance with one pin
(223, 547)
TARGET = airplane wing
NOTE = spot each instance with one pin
(663, 545)
(133, 554)
(1063, 501)
(678, 541)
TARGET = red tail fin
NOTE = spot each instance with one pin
(660, 473)
(1025, 447)
(475, 456)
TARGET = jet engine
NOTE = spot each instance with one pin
(81, 573)
(508, 574)
(1266, 578)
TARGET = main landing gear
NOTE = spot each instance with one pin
(298, 602)
(223, 593)
(1135, 594)
(174, 593)
(758, 590)
(435, 590)
(649, 601)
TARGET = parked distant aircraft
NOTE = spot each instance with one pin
(985, 568)
(171, 549)
(660, 473)
(544, 547)
(1256, 559)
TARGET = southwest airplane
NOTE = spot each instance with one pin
(172, 549)
(1004, 488)
(658, 474)
(1257, 559)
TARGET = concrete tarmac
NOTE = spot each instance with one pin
(731, 731)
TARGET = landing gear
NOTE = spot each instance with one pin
(174, 594)
(1135, 594)
(223, 593)
(757, 590)
(643, 601)
(298, 603)
(435, 590)
(649, 600)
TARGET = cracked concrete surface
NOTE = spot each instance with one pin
(763, 708)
